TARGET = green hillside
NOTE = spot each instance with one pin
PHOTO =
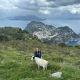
(17, 48)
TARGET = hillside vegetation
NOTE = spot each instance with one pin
(16, 48)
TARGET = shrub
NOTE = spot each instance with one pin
(62, 45)
(77, 46)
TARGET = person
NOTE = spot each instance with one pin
(38, 53)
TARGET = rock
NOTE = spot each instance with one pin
(56, 74)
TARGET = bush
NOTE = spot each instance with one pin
(77, 63)
(77, 46)
(3, 37)
(62, 45)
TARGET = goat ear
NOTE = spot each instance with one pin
(32, 58)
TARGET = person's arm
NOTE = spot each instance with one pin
(34, 53)
(40, 54)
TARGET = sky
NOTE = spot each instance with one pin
(55, 12)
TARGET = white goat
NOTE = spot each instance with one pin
(40, 62)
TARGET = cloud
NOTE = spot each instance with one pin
(74, 9)
(43, 8)
(5, 4)
(32, 4)
(44, 11)
(65, 2)
(36, 4)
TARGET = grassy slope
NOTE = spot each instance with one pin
(16, 64)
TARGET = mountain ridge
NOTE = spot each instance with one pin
(51, 33)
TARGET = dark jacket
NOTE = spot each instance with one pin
(37, 54)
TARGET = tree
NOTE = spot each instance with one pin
(62, 45)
